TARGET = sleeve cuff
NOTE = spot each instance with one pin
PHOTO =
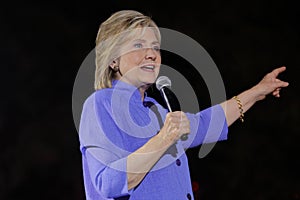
(120, 167)
(218, 128)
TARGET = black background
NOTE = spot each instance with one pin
(44, 44)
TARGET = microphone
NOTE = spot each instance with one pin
(163, 84)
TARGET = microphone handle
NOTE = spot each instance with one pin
(185, 136)
(166, 99)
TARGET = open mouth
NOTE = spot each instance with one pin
(149, 68)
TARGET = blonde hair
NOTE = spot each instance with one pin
(112, 34)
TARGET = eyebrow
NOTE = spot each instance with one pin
(144, 41)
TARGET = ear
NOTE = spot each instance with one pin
(113, 64)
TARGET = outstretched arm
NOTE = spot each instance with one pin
(269, 84)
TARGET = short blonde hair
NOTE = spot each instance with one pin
(111, 37)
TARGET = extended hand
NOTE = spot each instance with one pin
(271, 84)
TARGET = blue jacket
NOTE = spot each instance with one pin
(115, 122)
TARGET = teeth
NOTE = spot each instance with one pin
(149, 67)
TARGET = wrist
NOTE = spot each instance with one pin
(240, 107)
(164, 139)
(256, 93)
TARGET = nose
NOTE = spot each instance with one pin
(151, 54)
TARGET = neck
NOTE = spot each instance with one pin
(142, 90)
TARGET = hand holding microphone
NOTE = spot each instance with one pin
(176, 121)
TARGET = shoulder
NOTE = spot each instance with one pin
(103, 94)
(98, 98)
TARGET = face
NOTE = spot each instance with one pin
(140, 60)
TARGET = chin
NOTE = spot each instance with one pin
(146, 83)
(149, 81)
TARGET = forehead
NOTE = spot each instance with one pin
(146, 33)
(143, 35)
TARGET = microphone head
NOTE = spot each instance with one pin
(163, 81)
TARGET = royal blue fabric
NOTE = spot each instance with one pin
(115, 122)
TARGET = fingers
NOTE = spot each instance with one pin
(280, 84)
(178, 121)
(276, 92)
(277, 71)
(277, 83)
(177, 116)
(277, 87)
(176, 124)
(270, 84)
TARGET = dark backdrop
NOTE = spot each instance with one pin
(44, 44)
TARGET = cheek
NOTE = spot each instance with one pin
(158, 59)
(127, 62)
(134, 58)
(137, 56)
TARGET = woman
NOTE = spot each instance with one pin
(131, 150)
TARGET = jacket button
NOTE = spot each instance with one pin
(178, 162)
(189, 196)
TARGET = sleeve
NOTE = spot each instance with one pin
(207, 126)
(104, 163)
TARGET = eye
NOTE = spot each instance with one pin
(138, 45)
(156, 48)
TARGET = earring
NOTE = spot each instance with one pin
(116, 68)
